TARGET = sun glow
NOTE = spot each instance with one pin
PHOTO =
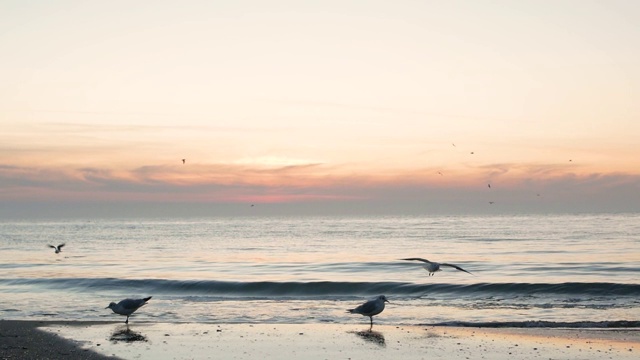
(319, 103)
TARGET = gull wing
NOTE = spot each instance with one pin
(367, 307)
(418, 259)
(455, 266)
(132, 303)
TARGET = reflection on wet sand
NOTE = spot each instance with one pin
(124, 334)
(371, 336)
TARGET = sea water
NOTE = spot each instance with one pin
(527, 270)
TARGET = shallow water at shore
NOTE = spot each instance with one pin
(527, 270)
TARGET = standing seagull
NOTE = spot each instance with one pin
(58, 248)
(370, 308)
(127, 306)
(432, 267)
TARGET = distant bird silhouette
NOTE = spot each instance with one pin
(127, 306)
(183, 160)
(472, 153)
(432, 267)
(370, 308)
(489, 185)
(491, 202)
(440, 173)
(57, 248)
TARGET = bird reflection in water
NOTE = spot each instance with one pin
(126, 335)
(371, 336)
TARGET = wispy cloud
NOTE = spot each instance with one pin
(216, 183)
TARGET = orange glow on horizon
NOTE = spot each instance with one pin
(319, 102)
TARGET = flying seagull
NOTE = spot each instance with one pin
(183, 160)
(127, 306)
(57, 248)
(370, 308)
(432, 267)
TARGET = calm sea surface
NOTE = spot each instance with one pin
(567, 270)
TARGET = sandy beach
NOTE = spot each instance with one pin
(92, 340)
(26, 340)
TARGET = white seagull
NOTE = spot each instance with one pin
(432, 267)
(127, 306)
(58, 248)
(370, 308)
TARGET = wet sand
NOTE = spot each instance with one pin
(91, 340)
(26, 340)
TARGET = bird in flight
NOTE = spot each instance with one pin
(370, 308)
(57, 248)
(183, 160)
(127, 306)
(433, 267)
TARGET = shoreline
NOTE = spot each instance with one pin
(27, 339)
(113, 340)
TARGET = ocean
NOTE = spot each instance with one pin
(527, 270)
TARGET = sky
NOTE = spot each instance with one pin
(318, 107)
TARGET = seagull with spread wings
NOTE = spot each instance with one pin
(433, 267)
(57, 248)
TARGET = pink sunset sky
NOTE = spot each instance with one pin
(399, 106)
